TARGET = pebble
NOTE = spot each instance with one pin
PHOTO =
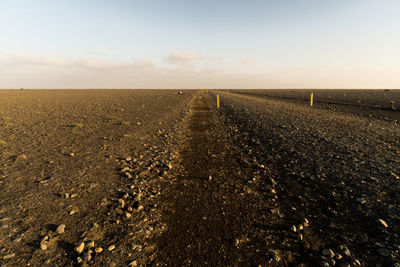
(133, 263)
(87, 256)
(328, 253)
(300, 237)
(74, 195)
(128, 158)
(128, 215)
(384, 252)
(383, 223)
(73, 211)
(80, 247)
(138, 123)
(90, 244)
(274, 254)
(60, 229)
(43, 246)
(99, 250)
(275, 211)
(121, 202)
(9, 256)
(300, 227)
(110, 248)
(293, 229)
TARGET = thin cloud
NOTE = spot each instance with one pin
(16, 59)
(249, 61)
(182, 57)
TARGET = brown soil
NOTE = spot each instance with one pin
(167, 179)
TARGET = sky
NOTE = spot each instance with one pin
(200, 44)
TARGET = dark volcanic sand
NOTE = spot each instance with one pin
(194, 185)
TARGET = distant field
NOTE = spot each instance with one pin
(381, 104)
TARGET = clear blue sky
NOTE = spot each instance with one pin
(200, 44)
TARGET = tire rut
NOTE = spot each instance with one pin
(210, 209)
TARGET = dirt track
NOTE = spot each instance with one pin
(256, 182)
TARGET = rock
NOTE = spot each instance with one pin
(138, 123)
(79, 259)
(121, 203)
(111, 247)
(274, 254)
(328, 253)
(275, 211)
(74, 195)
(128, 215)
(73, 211)
(9, 256)
(17, 240)
(325, 264)
(180, 93)
(300, 227)
(128, 158)
(382, 222)
(43, 246)
(133, 263)
(293, 229)
(21, 157)
(99, 250)
(60, 229)
(66, 195)
(90, 244)
(346, 251)
(300, 237)
(87, 256)
(80, 247)
(384, 252)
(273, 191)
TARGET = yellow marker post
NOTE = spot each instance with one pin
(217, 101)
(311, 99)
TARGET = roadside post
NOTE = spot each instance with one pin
(217, 101)
(311, 99)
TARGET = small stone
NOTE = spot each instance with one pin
(110, 248)
(325, 264)
(128, 215)
(138, 123)
(382, 222)
(90, 244)
(209, 177)
(121, 202)
(87, 256)
(60, 229)
(43, 246)
(80, 247)
(17, 240)
(300, 227)
(99, 250)
(300, 237)
(274, 254)
(66, 195)
(273, 191)
(293, 229)
(133, 263)
(9, 256)
(384, 252)
(275, 211)
(21, 157)
(346, 251)
(74, 195)
(328, 253)
(79, 259)
(128, 158)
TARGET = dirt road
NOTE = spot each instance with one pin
(258, 182)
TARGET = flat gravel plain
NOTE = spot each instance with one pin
(164, 178)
